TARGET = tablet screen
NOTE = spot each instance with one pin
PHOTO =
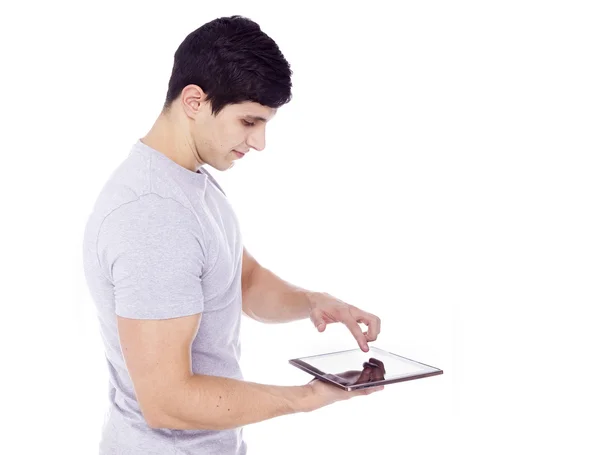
(356, 369)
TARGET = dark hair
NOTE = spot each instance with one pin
(233, 61)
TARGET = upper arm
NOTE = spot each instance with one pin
(152, 252)
(249, 265)
(157, 355)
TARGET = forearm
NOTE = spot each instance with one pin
(216, 403)
(269, 298)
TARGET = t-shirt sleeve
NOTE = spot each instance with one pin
(152, 250)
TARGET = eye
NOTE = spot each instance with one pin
(245, 122)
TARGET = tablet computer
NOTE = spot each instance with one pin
(355, 369)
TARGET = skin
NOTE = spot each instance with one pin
(191, 136)
(157, 352)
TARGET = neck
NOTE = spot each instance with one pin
(172, 141)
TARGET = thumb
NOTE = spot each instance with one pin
(320, 324)
(318, 321)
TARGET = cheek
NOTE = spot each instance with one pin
(215, 140)
(233, 137)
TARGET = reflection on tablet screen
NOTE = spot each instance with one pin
(372, 370)
(350, 368)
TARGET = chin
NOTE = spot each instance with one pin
(225, 166)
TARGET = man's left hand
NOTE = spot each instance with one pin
(326, 309)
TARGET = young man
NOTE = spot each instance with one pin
(169, 274)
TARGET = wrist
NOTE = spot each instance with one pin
(302, 399)
(313, 298)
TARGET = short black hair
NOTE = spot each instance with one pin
(233, 61)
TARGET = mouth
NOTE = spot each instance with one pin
(239, 154)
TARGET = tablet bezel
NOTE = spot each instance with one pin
(307, 367)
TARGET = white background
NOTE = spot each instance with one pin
(438, 166)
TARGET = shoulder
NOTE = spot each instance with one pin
(150, 211)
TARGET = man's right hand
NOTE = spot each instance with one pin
(322, 394)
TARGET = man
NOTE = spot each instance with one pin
(168, 272)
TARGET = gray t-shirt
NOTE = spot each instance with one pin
(163, 242)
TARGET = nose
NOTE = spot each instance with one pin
(257, 141)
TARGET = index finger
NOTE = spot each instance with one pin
(372, 322)
(356, 332)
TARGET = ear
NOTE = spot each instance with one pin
(193, 100)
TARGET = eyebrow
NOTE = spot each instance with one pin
(258, 119)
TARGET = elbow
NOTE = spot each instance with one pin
(171, 412)
(154, 419)
(249, 313)
(158, 408)
(158, 419)
(154, 424)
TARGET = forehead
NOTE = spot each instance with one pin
(253, 110)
